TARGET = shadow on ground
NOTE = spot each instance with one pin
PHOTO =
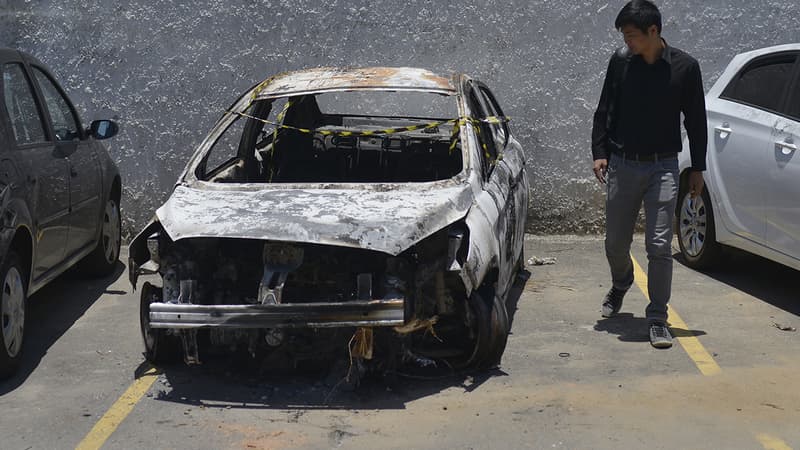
(214, 385)
(51, 312)
(231, 381)
(761, 278)
(629, 328)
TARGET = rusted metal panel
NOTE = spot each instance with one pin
(327, 79)
(373, 217)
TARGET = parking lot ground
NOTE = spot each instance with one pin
(569, 378)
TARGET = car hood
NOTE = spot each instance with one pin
(385, 218)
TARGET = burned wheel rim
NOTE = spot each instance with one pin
(12, 311)
(111, 232)
(148, 335)
(693, 224)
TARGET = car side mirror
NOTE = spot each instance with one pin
(103, 129)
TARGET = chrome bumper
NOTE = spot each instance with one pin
(373, 313)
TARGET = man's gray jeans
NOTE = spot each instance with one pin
(630, 183)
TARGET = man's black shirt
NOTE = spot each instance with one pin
(640, 107)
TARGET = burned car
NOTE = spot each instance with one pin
(376, 213)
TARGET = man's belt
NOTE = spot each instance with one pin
(648, 156)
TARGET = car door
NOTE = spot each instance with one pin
(741, 122)
(783, 191)
(85, 183)
(496, 176)
(44, 167)
(513, 160)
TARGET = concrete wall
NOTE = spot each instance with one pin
(166, 70)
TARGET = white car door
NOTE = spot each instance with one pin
(783, 195)
(741, 123)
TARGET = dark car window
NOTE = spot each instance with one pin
(243, 138)
(485, 135)
(21, 106)
(763, 83)
(65, 123)
(499, 130)
(793, 109)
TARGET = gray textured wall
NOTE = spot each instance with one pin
(166, 70)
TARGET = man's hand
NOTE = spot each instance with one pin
(600, 169)
(696, 183)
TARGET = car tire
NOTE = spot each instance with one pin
(696, 233)
(520, 266)
(498, 332)
(159, 347)
(12, 313)
(103, 259)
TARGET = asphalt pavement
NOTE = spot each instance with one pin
(569, 378)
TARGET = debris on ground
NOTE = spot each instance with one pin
(782, 327)
(541, 261)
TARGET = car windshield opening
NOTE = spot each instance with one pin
(342, 137)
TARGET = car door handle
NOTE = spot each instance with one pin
(724, 130)
(786, 147)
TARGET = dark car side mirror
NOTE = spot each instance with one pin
(103, 129)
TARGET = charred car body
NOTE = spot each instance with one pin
(293, 224)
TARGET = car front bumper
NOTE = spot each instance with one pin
(372, 313)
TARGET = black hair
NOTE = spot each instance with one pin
(640, 13)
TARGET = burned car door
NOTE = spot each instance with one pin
(85, 179)
(496, 176)
(513, 160)
(45, 168)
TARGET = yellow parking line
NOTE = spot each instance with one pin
(702, 359)
(772, 443)
(118, 412)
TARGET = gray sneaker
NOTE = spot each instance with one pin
(612, 302)
(659, 335)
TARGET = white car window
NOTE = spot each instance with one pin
(763, 83)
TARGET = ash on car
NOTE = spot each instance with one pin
(379, 207)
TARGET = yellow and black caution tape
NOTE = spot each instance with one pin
(278, 124)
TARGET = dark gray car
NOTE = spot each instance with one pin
(59, 193)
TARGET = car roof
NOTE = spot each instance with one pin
(14, 54)
(331, 79)
(9, 53)
(768, 50)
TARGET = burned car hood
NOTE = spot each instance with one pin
(385, 218)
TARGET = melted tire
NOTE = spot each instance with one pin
(159, 347)
(498, 332)
(475, 350)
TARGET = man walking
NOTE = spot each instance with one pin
(635, 140)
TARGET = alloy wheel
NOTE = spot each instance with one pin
(111, 232)
(12, 311)
(693, 225)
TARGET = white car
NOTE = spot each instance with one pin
(752, 195)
